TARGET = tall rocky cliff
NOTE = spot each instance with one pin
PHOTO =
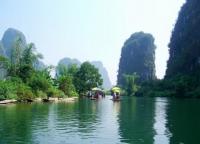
(9, 40)
(137, 56)
(185, 41)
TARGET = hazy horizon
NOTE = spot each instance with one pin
(91, 30)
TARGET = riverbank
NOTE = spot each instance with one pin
(50, 99)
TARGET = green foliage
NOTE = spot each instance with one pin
(65, 79)
(54, 92)
(16, 54)
(86, 78)
(24, 92)
(41, 81)
(7, 90)
(178, 86)
(63, 70)
(24, 82)
(130, 85)
(4, 62)
(66, 85)
(41, 94)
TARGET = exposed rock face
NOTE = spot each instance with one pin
(185, 41)
(138, 56)
(104, 74)
(9, 39)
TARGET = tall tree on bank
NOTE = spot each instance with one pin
(185, 41)
(137, 56)
(86, 78)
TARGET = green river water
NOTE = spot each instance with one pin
(132, 120)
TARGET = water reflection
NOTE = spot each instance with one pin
(136, 120)
(17, 122)
(160, 126)
(69, 122)
(132, 120)
(184, 121)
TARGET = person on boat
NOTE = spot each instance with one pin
(117, 95)
(114, 95)
(89, 94)
(96, 95)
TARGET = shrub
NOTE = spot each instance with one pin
(24, 93)
(40, 94)
(65, 84)
(7, 90)
(39, 81)
(53, 92)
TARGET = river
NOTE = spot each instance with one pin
(132, 120)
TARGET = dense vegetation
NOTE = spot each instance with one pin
(183, 68)
(24, 81)
(137, 56)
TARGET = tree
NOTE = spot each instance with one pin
(29, 56)
(131, 86)
(16, 54)
(86, 78)
(63, 70)
(65, 83)
(65, 79)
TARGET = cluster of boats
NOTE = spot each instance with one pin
(97, 93)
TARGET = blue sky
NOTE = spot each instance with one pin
(91, 29)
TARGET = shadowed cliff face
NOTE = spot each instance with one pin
(138, 56)
(98, 64)
(185, 41)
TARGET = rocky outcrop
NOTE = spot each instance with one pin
(137, 56)
(10, 37)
